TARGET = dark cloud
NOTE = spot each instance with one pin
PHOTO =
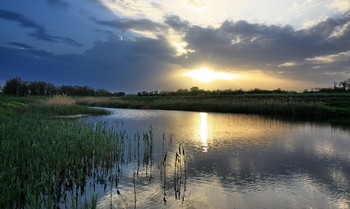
(40, 32)
(140, 49)
(128, 65)
(243, 45)
(58, 3)
(176, 23)
(22, 45)
(24, 22)
(110, 33)
(127, 24)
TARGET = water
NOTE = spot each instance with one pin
(232, 161)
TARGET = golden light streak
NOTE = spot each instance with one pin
(203, 130)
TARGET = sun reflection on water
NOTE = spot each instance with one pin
(203, 131)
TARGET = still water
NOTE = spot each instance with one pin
(218, 160)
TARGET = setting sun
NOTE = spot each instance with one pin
(206, 75)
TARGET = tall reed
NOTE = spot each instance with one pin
(46, 163)
(284, 106)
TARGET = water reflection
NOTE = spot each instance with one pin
(240, 161)
(203, 131)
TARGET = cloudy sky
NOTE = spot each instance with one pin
(134, 45)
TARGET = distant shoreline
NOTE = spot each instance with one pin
(299, 105)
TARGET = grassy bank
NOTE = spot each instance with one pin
(289, 104)
(41, 156)
(11, 106)
(42, 159)
(48, 162)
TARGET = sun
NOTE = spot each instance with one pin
(206, 75)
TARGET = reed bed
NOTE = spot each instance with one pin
(96, 101)
(283, 106)
(8, 104)
(46, 163)
(60, 100)
(55, 110)
(61, 105)
(263, 107)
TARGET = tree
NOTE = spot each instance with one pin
(119, 94)
(40, 88)
(16, 86)
(182, 92)
(194, 89)
(102, 92)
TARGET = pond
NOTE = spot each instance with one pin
(214, 160)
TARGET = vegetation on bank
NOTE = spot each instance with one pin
(11, 106)
(302, 105)
(317, 103)
(47, 162)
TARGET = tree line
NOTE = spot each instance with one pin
(342, 86)
(16, 86)
(195, 91)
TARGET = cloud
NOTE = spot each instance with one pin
(132, 24)
(244, 44)
(24, 22)
(21, 45)
(319, 53)
(340, 5)
(42, 35)
(195, 3)
(58, 3)
(40, 32)
(132, 65)
(176, 23)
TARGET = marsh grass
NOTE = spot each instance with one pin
(97, 101)
(8, 104)
(59, 100)
(45, 106)
(263, 107)
(60, 105)
(46, 163)
(56, 110)
(51, 163)
(277, 106)
(174, 157)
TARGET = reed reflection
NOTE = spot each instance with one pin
(203, 131)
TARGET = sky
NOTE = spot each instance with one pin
(136, 45)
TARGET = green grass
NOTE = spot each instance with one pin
(41, 158)
(297, 105)
(45, 162)
(11, 106)
(8, 104)
(54, 110)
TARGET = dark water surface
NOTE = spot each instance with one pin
(232, 161)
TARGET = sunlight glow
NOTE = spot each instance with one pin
(206, 75)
